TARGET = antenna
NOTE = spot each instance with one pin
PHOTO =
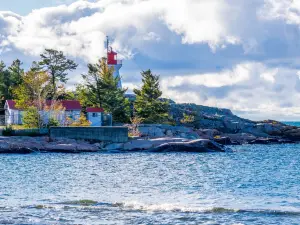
(107, 44)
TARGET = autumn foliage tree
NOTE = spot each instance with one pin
(32, 93)
(81, 122)
(33, 90)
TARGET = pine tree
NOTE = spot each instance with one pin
(148, 104)
(57, 65)
(10, 78)
(5, 82)
(16, 72)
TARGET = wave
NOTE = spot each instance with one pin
(183, 209)
(160, 208)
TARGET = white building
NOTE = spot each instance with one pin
(71, 110)
(94, 115)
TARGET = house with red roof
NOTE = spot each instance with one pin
(71, 109)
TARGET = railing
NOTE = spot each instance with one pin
(2, 120)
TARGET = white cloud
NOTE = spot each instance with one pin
(288, 10)
(80, 28)
(248, 87)
(239, 74)
(244, 36)
(199, 21)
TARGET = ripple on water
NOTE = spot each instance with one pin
(252, 185)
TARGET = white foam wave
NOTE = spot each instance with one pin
(173, 208)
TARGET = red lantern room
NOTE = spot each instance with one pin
(112, 57)
(113, 62)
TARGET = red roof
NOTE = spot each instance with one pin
(11, 104)
(94, 110)
(71, 105)
(67, 104)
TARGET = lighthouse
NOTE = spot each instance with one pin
(113, 62)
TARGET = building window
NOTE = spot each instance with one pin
(95, 115)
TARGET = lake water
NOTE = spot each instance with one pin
(252, 185)
(297, 124)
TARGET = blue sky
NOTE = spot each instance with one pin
(25, 7)
(238, 54)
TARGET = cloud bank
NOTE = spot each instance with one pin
(239, 54)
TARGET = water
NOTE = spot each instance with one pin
(252, 185)
(297, 124)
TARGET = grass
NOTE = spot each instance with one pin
(15, 127)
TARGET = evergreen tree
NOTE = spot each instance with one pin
(10, 78)
(16, 72)
(148, 104)
(103, 91)
(5, 82)
(57, 65)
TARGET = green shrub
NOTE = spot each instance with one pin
(32, 118)
(53, 123)
(8, 131)
(81, 122)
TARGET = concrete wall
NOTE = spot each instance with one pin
(107, 134)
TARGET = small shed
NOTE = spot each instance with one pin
(94, 115)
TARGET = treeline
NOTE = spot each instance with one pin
(46, 80)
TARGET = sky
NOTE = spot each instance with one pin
(237, 54)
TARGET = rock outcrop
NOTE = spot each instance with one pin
(168, 145)
(233, 131)
(201, 145)
(27, 145)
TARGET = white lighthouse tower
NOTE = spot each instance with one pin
(113, 62)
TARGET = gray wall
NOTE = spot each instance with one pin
(106, 134)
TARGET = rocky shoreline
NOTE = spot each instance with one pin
(27, 145)
(175, 139)
(269, 132)
(159, 138)
(216, 129)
